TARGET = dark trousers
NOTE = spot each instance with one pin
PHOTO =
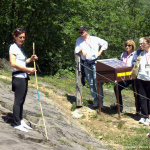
(20, 86)
(83, 74)
(138, 99)
(123, 84)
(144, 89)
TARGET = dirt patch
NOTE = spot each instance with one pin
(106, 126)
(5, 77)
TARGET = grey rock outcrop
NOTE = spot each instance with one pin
(64, 133)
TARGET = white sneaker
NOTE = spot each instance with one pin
(25, 125)
(21, 128)
(142, 120)
(147, 121)
(148, 134)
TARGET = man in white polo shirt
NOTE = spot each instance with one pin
(88, 47)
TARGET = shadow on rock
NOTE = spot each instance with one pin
(8, 118)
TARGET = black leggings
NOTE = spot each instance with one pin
(143, 88)
(122, 85)
(20, 86)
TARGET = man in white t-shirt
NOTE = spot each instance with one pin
(88, 47)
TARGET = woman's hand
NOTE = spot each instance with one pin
(31, 70)
(32, 58)
(139, 58)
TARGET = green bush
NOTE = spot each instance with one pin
(64, 73)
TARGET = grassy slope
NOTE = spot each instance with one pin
(125, 133)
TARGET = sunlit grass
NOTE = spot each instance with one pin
(6, 81)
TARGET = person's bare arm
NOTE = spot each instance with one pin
(13, 63)
(83, 53)
(100, 52)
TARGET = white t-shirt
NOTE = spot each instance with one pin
(144, 74)
(20, 59)
(90, 46)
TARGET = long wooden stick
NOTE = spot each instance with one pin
(38, 92)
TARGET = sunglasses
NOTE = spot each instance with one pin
(81, 32)
(142, 43)
(127, 45)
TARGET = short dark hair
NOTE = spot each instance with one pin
(83, 28)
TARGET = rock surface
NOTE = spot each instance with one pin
(64, 133)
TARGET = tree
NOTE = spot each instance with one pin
(52, 24)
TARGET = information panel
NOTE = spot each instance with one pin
(111, 70)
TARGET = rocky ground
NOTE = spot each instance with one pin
(82, 129)
(64, 133)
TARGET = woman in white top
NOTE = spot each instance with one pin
(126, 57)
(20, 77)
(143, 82)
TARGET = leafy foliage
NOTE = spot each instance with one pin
(64, 73)
(52, 24)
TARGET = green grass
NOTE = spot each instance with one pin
(140, 130)
(54, 127)
(85, 102)
(73, 107)
(133, 137)
(5, 81)
(64, 84)
(87, 146)
(138, 140)
(94, 116)
(120, 125)
(65, 95)
(40, 115)
(6, 73)
(64, 142)
(47, 94)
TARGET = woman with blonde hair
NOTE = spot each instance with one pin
(126, 57)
